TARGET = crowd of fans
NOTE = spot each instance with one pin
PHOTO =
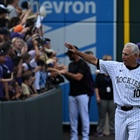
(28, 64)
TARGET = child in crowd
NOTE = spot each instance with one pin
(27, 86)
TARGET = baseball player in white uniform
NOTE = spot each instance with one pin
(125, 78)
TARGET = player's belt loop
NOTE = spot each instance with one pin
(126, 108)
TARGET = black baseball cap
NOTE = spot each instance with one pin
(69, 52)
(47, 40)
(4, 48)
(4, 31)
(3, 9)
(2, 52)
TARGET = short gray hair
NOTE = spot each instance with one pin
(133, 46)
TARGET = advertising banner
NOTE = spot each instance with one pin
(88, 24)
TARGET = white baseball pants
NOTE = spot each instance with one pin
(79, 104)
(127, 124)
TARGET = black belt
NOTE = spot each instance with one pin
(126, 108)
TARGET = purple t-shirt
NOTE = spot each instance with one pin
(9, 63)
(1, 84)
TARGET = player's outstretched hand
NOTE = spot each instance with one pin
(70, 47)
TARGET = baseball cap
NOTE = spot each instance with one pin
(89, 52)
(49, 50)
(69, 52)
(18, 28)
(47, 40)
(2, 52)
(32, 16)
(3, 9)
(4, 31)
(4, 48)
(16, 34)
(25, 5)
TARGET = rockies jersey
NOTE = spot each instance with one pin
(126, 82)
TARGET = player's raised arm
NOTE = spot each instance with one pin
(89, 58)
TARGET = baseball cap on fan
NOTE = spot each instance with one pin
(69, 52)
(16, 34)
(47, 40)
(4, 31)
(2, 52)
(49, 50)
(4, 48)
(3, 9)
